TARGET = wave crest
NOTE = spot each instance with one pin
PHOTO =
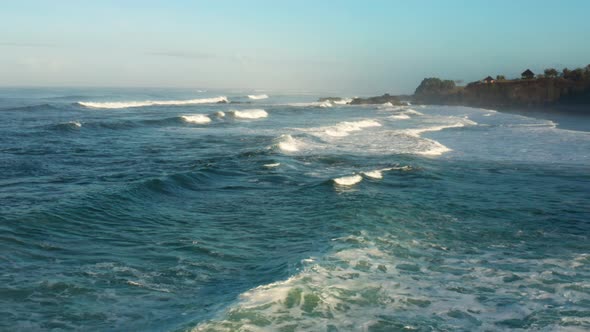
(196, 118)
(288, 144)
(348, 180)
(250, 114)
(345, 128)
(130, 104)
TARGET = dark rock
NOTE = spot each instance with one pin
(386, 98)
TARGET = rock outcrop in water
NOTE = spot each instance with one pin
(386, 98)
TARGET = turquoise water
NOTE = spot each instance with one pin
(284, 214)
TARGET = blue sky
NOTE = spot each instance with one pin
(347, 46)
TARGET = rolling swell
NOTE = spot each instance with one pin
(32, 108)
(125, 124)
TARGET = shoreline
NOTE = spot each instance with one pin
(570, 117)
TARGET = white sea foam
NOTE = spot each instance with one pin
(220, 114)
(129, 104)
(196, 118)
(436, 149)
(412, 112)
(343, 101)
(460, 124)
(322, 104)
(400, 117)
(345, 128)
(272, 165)
(348, 180)
(258, 97)
(387, 282)
(288, 144)
(250, 114)
(75, 124)
(377, 174)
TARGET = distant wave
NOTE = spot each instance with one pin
(67, 126)
(322, 104)
(258, 97)
(39, 107)
(419, 131)
(129, 104)
(196, 118)
(400, 117)
(342, 101)
(249, 114)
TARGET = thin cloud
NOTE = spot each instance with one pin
(244, 59)
(12, 44)
(185, 55)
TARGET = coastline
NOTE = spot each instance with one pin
(567, 117)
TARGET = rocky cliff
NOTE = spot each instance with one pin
(506, 93)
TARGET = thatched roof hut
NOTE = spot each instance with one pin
(527, 74)
(488, 79)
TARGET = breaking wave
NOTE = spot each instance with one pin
(390, 283)
(348, 180)
(196, 118)
(345, 128)
(288, 144)
(321, 104)
(250, 114)
(419, 131)
(129, 104)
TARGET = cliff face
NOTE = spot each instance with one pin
(514, 93)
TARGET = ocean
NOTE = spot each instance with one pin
(164, 210)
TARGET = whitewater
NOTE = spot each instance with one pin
(178, 210)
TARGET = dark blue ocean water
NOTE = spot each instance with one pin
(161, 210)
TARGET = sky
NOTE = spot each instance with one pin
(305, 45)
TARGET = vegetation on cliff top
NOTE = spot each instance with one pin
(551, 87)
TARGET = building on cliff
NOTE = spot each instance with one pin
(488, 80)
(527, 75)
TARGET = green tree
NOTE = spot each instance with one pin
(500, 78)
(577, 74)
(551, 72)
(574, 75)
